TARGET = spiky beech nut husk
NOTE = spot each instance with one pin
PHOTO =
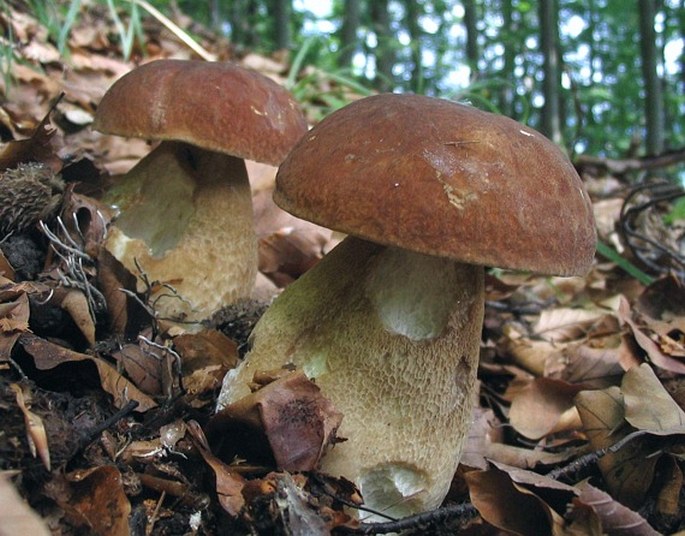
(28, 193)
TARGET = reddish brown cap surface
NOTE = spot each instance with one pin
(218, 106)
(444, 179)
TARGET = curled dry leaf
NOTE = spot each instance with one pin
(48, 355)
(648, 406)
(37, 148)
(93, 499)
(14, 320)
(566, 324)
(648, 345)
(298, 421)
(615, 517)
(206, 357)
(512, 507)
(74, 302)
(229, 483)
(6, 269)
(630, 471)
(543, 407)
(36, 435)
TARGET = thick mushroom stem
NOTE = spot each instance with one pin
(392, 338)
(188, 211)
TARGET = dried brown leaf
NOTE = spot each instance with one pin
(648, 406)
(94, 499)
(206, 357)
(509, 506)
(14, 320)
(544, 406)
(616, 518)
(297, 420)
(229, 484)
(6, 269)
(75, 303)
(36, 435)
(630, 471)
(650, 347)
(48, 355)
(566, 324)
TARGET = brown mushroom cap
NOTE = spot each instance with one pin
(444, 179)
(217, 106)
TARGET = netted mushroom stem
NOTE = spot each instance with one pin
(392, 338)
(186, 214)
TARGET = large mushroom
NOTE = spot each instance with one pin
(185, 210)
(389, 323)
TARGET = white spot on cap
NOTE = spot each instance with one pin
(526, 133)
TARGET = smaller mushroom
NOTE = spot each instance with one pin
(185, 215)
(388, 324)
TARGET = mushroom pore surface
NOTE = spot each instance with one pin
(392, 338)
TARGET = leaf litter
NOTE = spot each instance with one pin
(108, 409)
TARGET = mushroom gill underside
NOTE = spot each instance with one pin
(185, 221)
(392, 338)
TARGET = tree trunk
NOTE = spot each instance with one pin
(653, 104)
(280, 14)
(348, 33)
(508, 90)
(549, 44)
(385, 53)
(470, 19)
(412, 22)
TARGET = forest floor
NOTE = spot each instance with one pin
(580, 424)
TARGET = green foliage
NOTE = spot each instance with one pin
(601, 108)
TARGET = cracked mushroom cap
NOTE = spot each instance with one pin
(443, 179)
(217, 106)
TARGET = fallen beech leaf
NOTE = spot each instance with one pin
(593, 368)
(86, 219)
(532, 355)
(34, 149)
(229, 484)
(15, 514)
(205, 357)
(36, 435)
(94, 499)
(48, 355)
(616, 518)
(648, 406)
(543, 407)
(6, 269)
(655, 355)
(125, 312)
(14, 320)
(630, 471)
(75, 303)
(145, 369)
(297, 420)
(508, 506)
(527, 458)
(565, 324)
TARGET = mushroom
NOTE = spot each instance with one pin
(389, 323)
(185, 216)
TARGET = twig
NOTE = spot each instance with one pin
(422, 522)
(659, 192)
(593, 457)
(626, 165)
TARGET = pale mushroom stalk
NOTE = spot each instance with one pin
(388, 324)
(368, 323)
(187, 215)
